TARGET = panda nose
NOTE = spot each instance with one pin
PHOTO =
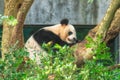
(75, 40)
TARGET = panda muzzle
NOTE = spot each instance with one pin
(74, 40)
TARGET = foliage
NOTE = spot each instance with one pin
(97, 68)
(8, 66)
(59, 64)
(9, 19)
(90, 1)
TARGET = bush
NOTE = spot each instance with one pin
(97, 68)
(59, 65)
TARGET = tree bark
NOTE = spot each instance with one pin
(12, 34)
(17, 33)
(114, 27)
(108, 28)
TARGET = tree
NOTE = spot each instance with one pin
(13, 34)
(108, 28)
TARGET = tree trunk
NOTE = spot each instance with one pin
(108, 29)
(12, 34)
(17, 33)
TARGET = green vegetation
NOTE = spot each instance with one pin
(98, 67)
(90, 1)
(59, 65)
(10, 20)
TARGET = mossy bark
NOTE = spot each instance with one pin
(12, 34)
(108, 28)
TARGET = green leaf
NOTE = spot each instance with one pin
(90, 1)
(9, 19)
(57, 46)
(12, 21)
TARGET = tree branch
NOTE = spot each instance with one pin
(114, 67)
(114, 27)
(82, 53)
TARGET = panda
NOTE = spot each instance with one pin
(62, 34)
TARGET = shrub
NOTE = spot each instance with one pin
(98, 67)
(59, 65)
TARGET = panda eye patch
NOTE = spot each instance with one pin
(69, 33)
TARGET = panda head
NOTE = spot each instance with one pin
(65, 31)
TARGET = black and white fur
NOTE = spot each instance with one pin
(62, 34)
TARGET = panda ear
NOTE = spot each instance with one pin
(64, 22)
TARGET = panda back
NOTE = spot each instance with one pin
(44, 36)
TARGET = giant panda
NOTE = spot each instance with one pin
(62, 34)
